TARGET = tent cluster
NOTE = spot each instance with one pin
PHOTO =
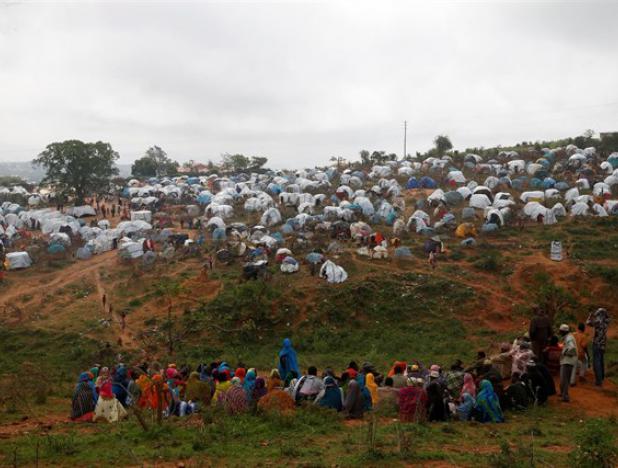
(258, 214)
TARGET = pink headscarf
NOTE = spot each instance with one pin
(468, 385)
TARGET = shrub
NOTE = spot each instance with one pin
(488, 262)
(596, 446)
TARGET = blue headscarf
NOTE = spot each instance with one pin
(120, 384)
(249, 384)
(487, 404)
(464, 411)
(332, 395)
(291, 362)
(366, 394)
(85, 377)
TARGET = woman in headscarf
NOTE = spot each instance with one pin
(83, 403)
(222, 386)
(437, 409)
(469, 386)
(259, 390)
(144, 383)
(354, 406)
(235, 398)
(108, 407)
(464, 410)
(249, 384)
(365, 394)
(197, 391)
(120, 384)
(487, 407)
(102, 378)
(413, 402)
(288, 361)
(240, 373)
(370, 383)
(331, 396)
(397, 365)
(274, 380)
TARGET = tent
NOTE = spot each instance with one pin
(289, 265)
(79, 211)
(480, 201)
(18, 260)
(333, 273)
(271, 217)
(427, 182)
(465, 230)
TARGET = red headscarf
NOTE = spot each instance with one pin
(106, 390)
(240, 373)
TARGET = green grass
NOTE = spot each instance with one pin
(314, 437)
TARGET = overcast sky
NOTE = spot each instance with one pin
(300, 82)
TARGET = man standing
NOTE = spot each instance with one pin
(539, 332)
(581, 338)
(599, 320)
(568, 360)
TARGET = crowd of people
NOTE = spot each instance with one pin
(417, 392)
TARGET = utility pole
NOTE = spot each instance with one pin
(405, 138)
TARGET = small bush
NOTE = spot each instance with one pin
(596, 447)
(488, 262)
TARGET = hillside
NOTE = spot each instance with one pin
(54, 325)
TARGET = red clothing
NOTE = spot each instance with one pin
(552, 358)
(412, 404)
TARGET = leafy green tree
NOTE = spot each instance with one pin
(257, 162)
(77, 168)
(235, 162)
(443, 144)
(378, 157)
(155, 163)
(365, 157)
(609, 143)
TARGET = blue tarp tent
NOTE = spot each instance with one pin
(427, 182)
(412, 183)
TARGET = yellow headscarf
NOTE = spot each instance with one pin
(370, 383)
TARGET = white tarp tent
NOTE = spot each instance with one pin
(333, 273)
(79, 211)
(18, 260)
(142, 215)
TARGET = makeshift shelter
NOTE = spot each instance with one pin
(465, 230)
(289, 265)
(333, 273)
(18, 260)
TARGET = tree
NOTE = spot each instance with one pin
(365, 157)
(443, 144)
(77, 168)
(155, 163)
(378, 157)
(235, 162)
(257, 162)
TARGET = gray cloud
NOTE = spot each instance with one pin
(302, 81)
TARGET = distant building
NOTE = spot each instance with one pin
(194, 168)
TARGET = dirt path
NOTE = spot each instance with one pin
(34, 284)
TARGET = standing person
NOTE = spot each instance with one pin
(568, 360)
(539, 331)
(104, 299)
(599, 320)
(288, 361)
(353, 404)
(581, 338)
(413, 402)
(123, 319)
(432, 260)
